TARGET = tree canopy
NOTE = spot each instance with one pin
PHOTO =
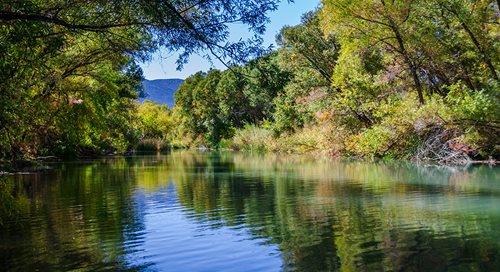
(374, 78)
(414, 79)
(69, 70)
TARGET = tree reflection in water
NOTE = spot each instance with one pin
(322, 215)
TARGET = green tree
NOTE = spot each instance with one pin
(233, 103)
(265, 81)
(375, 23)
(77, 58)
(310, 57)
(154, 120)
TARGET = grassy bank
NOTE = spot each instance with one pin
(440, 131)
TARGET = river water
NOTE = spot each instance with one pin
(190, 211)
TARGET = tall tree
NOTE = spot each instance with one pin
(376, 23)
(63, 56)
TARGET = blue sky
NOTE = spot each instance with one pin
(163, 63)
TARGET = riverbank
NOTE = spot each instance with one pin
(318, 141)
(433, 145)
(25, 167)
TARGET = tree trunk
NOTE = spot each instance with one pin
(409, 62)
(481, 51)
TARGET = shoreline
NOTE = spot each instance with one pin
(39, 165)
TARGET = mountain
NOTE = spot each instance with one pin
(161, 90)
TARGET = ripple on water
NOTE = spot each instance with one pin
(212, 212)
(173, 242)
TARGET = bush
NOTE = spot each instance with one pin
(152, 145)
(463, 122)
(253, 138)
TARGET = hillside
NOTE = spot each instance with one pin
(161, 90)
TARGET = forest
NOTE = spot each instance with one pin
(399, 79)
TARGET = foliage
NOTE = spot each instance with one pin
(155, 126)
(69, 71)
(154, 120)
(214, 104)
(427, 45)
(406, 126)
(310, 57)
(368, 79)
(253, 138)
(355, 78)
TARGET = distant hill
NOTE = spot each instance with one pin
(161, 90)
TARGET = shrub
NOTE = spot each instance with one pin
(254, 138)
(152, 145)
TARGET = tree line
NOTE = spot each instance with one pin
(395, 79)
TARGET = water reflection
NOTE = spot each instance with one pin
(191, 211)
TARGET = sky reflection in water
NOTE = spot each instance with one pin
(190, 211)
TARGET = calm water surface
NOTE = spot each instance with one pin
(189, 211)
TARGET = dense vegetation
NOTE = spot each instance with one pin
(69, 73)
(397, 79)
(394, 79)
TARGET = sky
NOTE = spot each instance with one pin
(163, 64)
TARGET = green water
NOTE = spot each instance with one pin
(189, 211)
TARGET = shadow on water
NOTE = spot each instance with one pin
(220, 211)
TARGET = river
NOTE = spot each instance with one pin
(225, 211)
